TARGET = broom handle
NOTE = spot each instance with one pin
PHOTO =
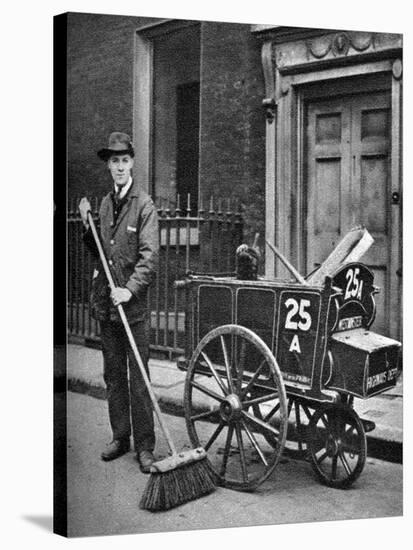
(287, 264)
(131, 338)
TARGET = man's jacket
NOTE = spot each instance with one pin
(131, 246)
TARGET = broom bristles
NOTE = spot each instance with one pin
(166, 490)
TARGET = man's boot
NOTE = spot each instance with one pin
(145, 459)
(115, 449)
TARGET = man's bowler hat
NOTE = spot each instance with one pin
(119, 144)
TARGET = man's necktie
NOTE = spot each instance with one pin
(117, 196)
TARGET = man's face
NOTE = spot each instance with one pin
(120, 167)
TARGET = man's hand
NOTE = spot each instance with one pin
(120, 295)
(84, 208)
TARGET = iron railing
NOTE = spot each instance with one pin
(204, 241)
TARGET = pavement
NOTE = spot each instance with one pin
(85, 375)
(103, 497)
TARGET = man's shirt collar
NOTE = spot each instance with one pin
(125, 188)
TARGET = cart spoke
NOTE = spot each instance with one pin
(297, 415)
(339, 426)
(227, 365)
(214, 435)
(307, 411)
(204, 415)
(215, 374)
(298, 425)
(241, 452)
(261, 399)
(325, 421)
(260, 423)
(253, 379)
(241, 365)
(207, 391)
(344, 462)
(226, 451)
(334, 467)
(348, 433)
(322, 457)
(275, 409)
(254, 443)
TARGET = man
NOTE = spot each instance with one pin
(129, 235)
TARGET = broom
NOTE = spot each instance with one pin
(180, 477)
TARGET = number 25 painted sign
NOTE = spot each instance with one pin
(354, 287)
(297, 330)
(297, 316)
(355, 281)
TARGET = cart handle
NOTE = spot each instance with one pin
(287, 264)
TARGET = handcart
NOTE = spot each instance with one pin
(273, 367)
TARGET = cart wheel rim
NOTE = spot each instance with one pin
(337, 445)
(227, 364)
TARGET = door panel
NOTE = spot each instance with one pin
(372, 199)
(328, 174)
(327, 205)
(370, 145)
(348, 182)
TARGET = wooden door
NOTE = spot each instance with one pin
(348, 184)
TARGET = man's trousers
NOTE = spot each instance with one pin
(128, 400)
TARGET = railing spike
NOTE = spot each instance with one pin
(229, 206)
(201, 210)
(188, 208)
(168, 207)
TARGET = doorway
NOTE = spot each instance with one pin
(175, 116)
(187, 143)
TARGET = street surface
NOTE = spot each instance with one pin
(103, 497)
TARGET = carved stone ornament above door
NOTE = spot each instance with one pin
(339, 44)
(290, 49)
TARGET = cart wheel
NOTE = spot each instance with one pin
(298, 414)
(231, 372)
(337, 445)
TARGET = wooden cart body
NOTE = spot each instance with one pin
(319, 336)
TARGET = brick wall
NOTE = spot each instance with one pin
(232, 119)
